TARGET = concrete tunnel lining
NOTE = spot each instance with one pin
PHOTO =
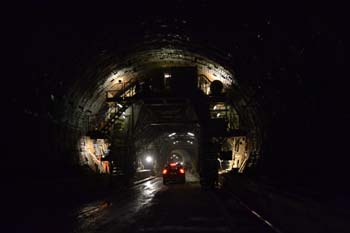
(82, 92)
(89, 90)
(97, 83)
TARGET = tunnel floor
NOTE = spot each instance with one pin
(187, 208)
(151, 207)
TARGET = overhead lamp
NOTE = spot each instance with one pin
(119, 105)
(190, 134)
(172, 134)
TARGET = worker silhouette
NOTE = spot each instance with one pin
(209, 173)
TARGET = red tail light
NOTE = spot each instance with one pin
(182, 171)
(173, 164)
(165, 171)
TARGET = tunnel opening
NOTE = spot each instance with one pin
(159, 91)
(123, 103)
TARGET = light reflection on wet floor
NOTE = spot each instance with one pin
(119, 208)
(151, 207)
(123, 206)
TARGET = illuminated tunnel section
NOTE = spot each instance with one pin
(112, 76)
(272, 92)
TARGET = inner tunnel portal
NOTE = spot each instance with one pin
(160, 101)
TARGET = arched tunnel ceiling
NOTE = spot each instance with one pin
(92, 85)
(136, 66)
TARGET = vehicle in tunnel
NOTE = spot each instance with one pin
(174, 172)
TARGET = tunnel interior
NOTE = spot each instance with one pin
(96, 96)
(159, 103)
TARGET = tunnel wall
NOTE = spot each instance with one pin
(46, 147)
(92, 153)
